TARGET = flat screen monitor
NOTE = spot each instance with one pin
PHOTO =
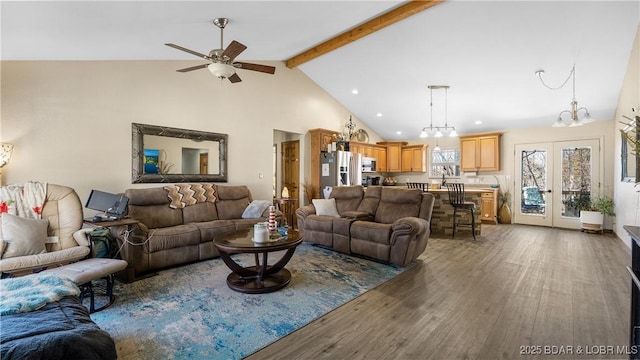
(112, 204)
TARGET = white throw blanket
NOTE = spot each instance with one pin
(26, 201)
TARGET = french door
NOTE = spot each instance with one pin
(553, 180)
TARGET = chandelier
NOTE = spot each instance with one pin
(575, 110)
(438, 131)
(349, 128)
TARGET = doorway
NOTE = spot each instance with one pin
(204, 163)
(291, 167)
(553, 180)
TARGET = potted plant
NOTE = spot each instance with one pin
(592, 213)
(504, 212)
(504, 198)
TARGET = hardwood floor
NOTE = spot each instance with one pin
(500, 297)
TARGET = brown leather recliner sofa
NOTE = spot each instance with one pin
(167, 237)
(384, 223)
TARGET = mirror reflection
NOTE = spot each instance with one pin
(163, 154)
(167, 155)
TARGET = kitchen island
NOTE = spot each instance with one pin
(442, 216)
(485, 198)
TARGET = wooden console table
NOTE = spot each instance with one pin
(634, 270)
(288, 207)
(126, 275)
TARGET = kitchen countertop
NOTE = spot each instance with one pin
(467, 190)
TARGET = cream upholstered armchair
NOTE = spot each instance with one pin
(66, 241)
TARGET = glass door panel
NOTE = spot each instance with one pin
(533, 181)
(553, 180)
(578, 175)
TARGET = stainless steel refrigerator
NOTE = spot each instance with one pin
(339, 168)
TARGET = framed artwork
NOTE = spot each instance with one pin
(151, 159)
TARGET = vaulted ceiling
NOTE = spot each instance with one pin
(486, 51)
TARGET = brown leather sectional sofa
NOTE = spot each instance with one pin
(384, 223)
(167, 237)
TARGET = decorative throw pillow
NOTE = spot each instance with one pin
(182, 195)
(23, 236)
(255, 209)
(326, 207)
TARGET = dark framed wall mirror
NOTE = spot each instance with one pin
(163, 154)
(629, 156)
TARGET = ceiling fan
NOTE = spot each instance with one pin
(222, 63)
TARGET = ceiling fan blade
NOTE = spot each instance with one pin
(235, 78)
(193, 68)
(189, 51)
(234, 49)
(256, 67)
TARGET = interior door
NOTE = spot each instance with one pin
(291, 167)
(204, 163)
(553, 180)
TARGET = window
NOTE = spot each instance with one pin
(445, 162)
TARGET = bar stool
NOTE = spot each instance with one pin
(416, 185)
(456, 199)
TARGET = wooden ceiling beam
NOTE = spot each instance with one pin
(391, 17)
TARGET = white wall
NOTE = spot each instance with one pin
(627, 198)
(601, 130)
(70, 121)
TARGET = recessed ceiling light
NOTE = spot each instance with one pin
(379, 114)
(354, 91)
(398, 132)
(478, 122)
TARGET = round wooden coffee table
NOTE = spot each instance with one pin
(261, 278)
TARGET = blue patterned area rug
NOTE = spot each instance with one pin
(190, 312)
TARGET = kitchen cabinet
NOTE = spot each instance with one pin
(321, 139)
(369, 151)
(405, 163)
(378, 152)
(489, 207)
(381, 162)
(414, 158)
(402, 158)
(359, 148)
(394, 155)
(355, 148)
(480, 152)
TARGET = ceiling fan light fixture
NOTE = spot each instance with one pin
(221, 71)
(223, 64)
